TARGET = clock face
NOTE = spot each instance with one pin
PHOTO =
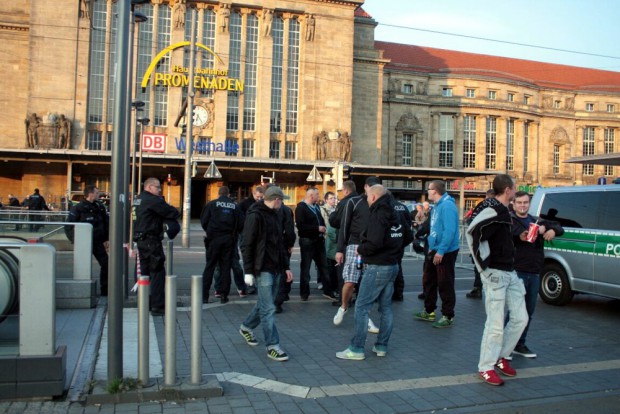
(201, 116)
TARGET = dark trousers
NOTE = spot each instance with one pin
(102, 258)
(332, 275)
(152, 264)
(219, 251)
(440, 278)
(312, 249)
(237, 272)
(283, 290)
(399, 282)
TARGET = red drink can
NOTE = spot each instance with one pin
(532, 232)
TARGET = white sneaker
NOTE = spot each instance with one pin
(348, 354)
(372, 328)
(319, 286)
(339, 315)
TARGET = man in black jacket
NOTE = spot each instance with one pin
(221, 220)
(36, 202)
(149, 211)
(265, 259)
(529, 257)
(380, 246)
(91, 210)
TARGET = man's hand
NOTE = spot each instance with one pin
(289, 276)
(339, 258)
(542, 230)
(523, 236)
(549, 235)
(437, 258)
(322, 229)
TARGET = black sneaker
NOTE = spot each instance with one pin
(279, 309)
(421, 296)
(524, 351)
(397, 298)
(248, 335)
(330, 295)
(224, 299)
(476, 293)
(276, 353)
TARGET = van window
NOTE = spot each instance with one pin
(610, 211)
(573, 209)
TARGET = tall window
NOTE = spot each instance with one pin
(230, 146)
(234, 71)
(274, 149)
(446, 141)
(526, 145)
(277, 33)
(93, 141)
(510, 144)
(203, 59)
(248, 148)
(588, 149)
(161, 91)
(407, 148)
(290, 150)
(292, 86)
(97, 59)
(491, 144)
(556, 159)
(609, 148)
(469, 141)
(144, 55)
(251, 65)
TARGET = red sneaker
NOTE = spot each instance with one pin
(503, 365)
(491, 377)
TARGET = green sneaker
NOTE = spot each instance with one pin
(444, 322)
(425, 316)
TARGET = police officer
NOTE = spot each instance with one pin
(222, 221)
(91, 210)
(36, 202)
(405, 219)
(149, 213)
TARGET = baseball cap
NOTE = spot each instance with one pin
(370, 181)
(274, 192)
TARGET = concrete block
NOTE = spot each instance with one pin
(42, 368)
(8, 367)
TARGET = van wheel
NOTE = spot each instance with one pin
(554, 286)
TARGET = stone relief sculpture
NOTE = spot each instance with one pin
(64, 132)
(547, 101)
(333, 146)
(85, 9)
(32, 125)
(51, 132)
(346, 145)
(394, 85)
(310, 23)
(421, 86)
(569, 103)
(224, 17)
(178, 14)
(267, 22)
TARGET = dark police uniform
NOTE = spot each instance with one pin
(222, 220)
(405, 219)
(149, 213)
(94, 213)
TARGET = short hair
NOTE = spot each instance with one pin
(150, 181)
(89, 190)
(349, 185)
(223, 191)
(490, 193)
(311, 190)
(259, 189)
(329, 193)
(438, 186)
(501, 182)
(521, 194)
(377, 190)
(372, 181)
(36, 191)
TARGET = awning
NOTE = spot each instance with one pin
(601, 159)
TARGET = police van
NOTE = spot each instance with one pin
(586, 259)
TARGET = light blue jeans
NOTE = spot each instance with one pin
(502, 290)
(377, 285)
(267, 285)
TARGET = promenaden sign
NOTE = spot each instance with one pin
(204, 78)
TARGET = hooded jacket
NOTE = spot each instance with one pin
(353, 222)
(444, 234)
(383, 240)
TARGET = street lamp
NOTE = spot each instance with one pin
(137, 105)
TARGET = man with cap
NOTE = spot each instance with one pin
(265, 261)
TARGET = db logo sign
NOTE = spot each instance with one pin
(154, 142)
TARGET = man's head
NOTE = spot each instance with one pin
(258, 192)
(330, 199)
(223, 191)
(153, 186)
(312, 195)
(374, 193)
(348, 187)
(425, 206)
(521, 203)
(36, 191)
(273, 197)
(490, 193)
(91, 193)
(504, 188)
(371, 181)
(436, 189)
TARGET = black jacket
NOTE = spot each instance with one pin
(308, 219)
(149, 212)
(335, 219)
(93, 213)
(383, 240)
(246, 204)
(263, 246)
(36, 202)
(353, 222)
(530, 257)
(221, 217)
(405, 219)
(288, 225)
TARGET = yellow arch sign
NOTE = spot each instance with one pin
(160, 55)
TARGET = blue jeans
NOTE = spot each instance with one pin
(267, 285)
(531, 282)
(501, 290)
(377, 285)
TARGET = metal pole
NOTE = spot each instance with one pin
(140, 163)
(196, 334)
(170, 371)
(169, 257)
(118, 200)
(143, 329)
(187, 179)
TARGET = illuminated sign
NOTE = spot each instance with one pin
(204, 78)
(153, 142)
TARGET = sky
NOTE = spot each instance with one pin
(591, 27)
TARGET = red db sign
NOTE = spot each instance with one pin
(153, 142)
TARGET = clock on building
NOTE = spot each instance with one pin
(201, 116)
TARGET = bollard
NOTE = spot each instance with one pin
(170, 370)
(169, 257)
(143, 329)
(196, 347)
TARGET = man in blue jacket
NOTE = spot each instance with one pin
(443, 247)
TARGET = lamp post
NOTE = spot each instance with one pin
(143, 122)
(137, 105)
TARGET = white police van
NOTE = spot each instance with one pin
(586, 259)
